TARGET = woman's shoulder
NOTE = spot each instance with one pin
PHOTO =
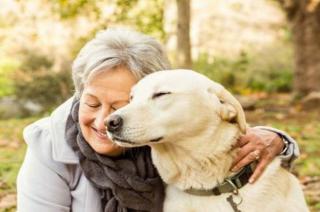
(47, 129)
(46, 141)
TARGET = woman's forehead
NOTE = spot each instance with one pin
(114, 84)
(106, 93)
(120, 75)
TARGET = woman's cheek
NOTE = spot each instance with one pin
(86, 117)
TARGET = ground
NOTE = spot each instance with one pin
(272, 110)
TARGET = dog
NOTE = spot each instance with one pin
(191, 124)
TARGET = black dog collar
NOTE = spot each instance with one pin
(229, 185)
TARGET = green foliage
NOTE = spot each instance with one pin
(11, 160)
(227, 72)
(147, 18)
(280, 81)
(123, 8)
(80, 42)
(37, 81)
(7, 66)
(306, 130)
(67, 9)
(12, 151)
(253, 72)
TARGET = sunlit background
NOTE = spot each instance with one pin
(267, 52)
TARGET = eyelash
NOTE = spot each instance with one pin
(160, 94)
(96, 106)
(93, 106)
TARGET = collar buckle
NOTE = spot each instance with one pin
(235, 190)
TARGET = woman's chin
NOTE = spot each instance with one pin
(102, 144)
(106, 147)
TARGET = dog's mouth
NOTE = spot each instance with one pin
(128, 143)
(156, 139)
(121, 140)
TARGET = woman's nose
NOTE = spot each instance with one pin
(100, 120)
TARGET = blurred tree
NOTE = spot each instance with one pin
(36, 81)
(183, 34)
(304, 16)
(145, 15)
(71, 9)
(43, 76)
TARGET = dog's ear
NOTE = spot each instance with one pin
(231, 109)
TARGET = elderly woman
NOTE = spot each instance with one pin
(71, 165)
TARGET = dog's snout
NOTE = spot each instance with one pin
(114, 123)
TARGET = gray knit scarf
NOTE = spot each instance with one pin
(126, 183)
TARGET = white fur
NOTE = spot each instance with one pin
(199, 121)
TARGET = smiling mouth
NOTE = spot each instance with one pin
(100, 134)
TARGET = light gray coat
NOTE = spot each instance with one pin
(50, 178)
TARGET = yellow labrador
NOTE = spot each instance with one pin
(191, 123)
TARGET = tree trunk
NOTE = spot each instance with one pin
(304, 16)
(183, 34)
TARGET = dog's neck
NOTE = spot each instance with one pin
(199, 163)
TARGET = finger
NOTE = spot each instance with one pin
(252, 156)
(243, 140)
(263, 163)
(243, 152)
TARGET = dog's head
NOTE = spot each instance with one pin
(167, 106)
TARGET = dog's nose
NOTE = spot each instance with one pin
(114, 123)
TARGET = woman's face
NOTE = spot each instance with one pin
(106, 92)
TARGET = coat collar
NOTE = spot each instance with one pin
(61, 150)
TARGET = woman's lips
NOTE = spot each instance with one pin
(101, 135)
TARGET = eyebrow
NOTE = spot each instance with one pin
(91, 95)
(114, 102)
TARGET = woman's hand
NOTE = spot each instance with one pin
(257, 144)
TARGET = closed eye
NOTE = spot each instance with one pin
(93, 105)
(156, 95)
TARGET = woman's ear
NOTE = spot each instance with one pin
(231, 109)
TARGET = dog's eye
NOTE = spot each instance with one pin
(155, 95)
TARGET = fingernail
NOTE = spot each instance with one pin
(251, 180)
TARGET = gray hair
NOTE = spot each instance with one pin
(111, 48)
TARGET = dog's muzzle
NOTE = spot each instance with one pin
(114, 123)
(115, 128)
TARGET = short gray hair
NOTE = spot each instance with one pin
(111, 48)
